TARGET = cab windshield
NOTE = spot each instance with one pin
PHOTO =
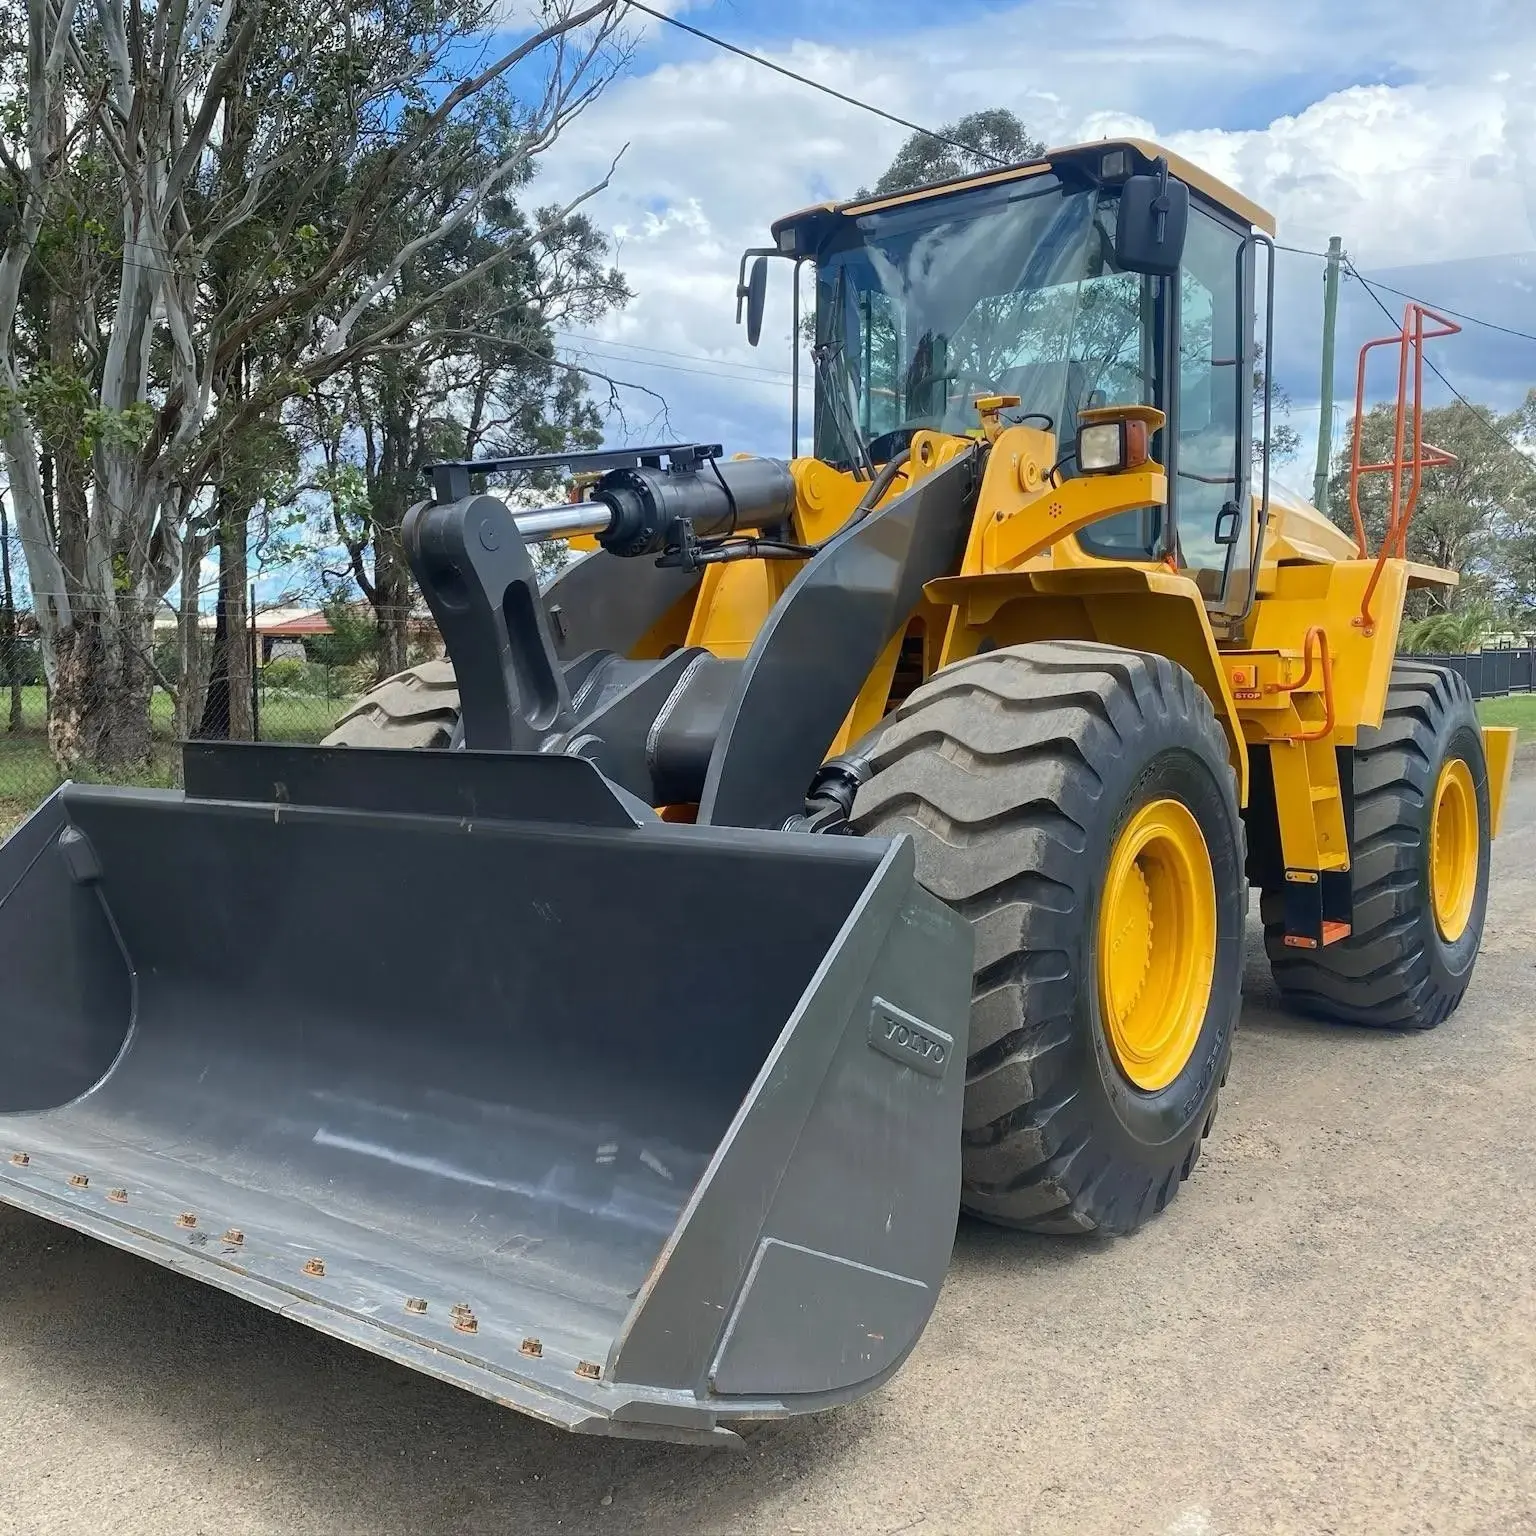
(1007, 290)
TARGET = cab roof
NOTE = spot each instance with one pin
(1140, 154)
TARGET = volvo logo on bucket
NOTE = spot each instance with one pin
(908, 1040)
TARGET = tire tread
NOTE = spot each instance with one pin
(994, 768)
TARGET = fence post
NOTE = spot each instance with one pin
(255, 669)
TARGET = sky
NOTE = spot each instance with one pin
(1406, 127)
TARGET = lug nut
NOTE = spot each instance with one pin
(533, 1347)
(21, 1159)
(118, 1196)
(187, 1219)
(78, 1181)
(234, 1238)
(315, 1267)
(415, 1304)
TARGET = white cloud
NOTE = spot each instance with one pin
(1436, 166)
(1407, 174)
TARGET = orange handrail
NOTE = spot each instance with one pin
(1410, 344)
(1319, 635)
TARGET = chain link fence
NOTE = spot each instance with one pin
(289, 680)
(293, 677)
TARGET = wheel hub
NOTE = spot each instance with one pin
(1453, 849)
(1156, 943)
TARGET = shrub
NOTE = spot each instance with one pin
(21, 661)
(290, 675)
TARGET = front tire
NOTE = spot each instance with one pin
(416, 709)
(1061, 796)
(1420, 859)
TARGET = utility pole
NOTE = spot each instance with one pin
(1325, 399)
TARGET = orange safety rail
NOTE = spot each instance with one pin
(1319, 636)
(1420, 324)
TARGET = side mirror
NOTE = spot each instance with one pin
(755, 292)
(1154, 216)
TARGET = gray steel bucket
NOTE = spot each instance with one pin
(463, 1058)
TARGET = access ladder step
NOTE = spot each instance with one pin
(1319, 907)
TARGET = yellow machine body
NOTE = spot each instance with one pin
(1299, 673)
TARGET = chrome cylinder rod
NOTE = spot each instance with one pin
(564, 521)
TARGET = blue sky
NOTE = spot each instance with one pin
(1414, 141)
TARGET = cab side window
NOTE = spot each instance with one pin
(1212, 479)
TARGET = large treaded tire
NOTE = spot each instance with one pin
(1395, 969)
(1013, 772)
(417, 708)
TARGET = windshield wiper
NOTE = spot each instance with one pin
(837, 388)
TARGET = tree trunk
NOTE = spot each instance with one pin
(392, 593)
(71, 511)
(98, 711)
(10, 651)
(192, 650)
(227, 714)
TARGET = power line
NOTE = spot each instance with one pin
(702, 373)
(815, 85)
(1491, 325)
(692, 357)
(1488, 325)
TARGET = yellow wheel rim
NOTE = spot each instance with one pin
(1453, 850)
(1157, 943)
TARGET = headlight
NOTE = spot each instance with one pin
(1106, 447)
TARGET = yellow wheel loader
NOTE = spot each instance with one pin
(837, 842)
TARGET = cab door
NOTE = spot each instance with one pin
(1212, 454)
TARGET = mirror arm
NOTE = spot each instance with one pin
(1160, 202)
(742, 286)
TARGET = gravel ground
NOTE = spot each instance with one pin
(1333, 1329)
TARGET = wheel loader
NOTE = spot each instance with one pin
(612, 1017)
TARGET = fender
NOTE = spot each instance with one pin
(1125, 605)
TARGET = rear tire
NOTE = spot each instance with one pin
(1398, 969)
(1015, 773)
(417, 708)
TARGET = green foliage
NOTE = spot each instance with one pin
(21, 663)
(1476, 517)
(482, 378)
(352, 639)
(289, 673)
(167, 656)
(127, 428)
(289, 677)
(62, 405)
(1451, 632)
(980, 140)
(331, 175)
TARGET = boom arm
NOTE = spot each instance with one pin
(742, 739)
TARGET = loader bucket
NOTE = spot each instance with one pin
(467, 1059)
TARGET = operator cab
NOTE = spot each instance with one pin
(1030, 281)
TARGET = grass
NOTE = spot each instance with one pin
(28, 774)
(1518, 709)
